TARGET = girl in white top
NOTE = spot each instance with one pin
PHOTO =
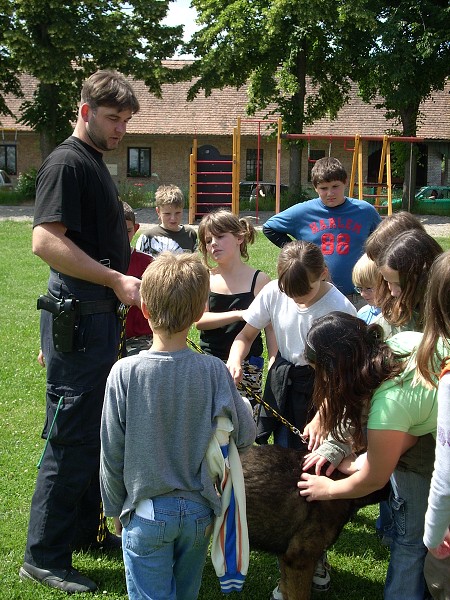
(432, 356)
(291, 304)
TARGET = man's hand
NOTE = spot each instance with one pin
(127, 289)
(41, 358)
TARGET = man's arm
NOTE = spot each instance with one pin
(61, 254)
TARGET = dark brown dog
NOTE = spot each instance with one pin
(282, 522)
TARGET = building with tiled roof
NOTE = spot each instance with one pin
(161, 136)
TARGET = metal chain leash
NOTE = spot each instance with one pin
(259, 400)
(122, 312)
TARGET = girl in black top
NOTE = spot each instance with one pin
(223, 240)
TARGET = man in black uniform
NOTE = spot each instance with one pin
(80, 232)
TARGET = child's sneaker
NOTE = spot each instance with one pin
(321, 579)
(276, 594)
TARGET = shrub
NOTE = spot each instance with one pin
(140, 194)
(137, 195)
(26, 184)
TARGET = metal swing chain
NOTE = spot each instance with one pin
(259, 400)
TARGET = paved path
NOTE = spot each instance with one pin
(437, 226)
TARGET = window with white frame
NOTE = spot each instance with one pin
(139, 162)
(8, 158)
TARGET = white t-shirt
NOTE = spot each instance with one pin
(291, 323)
(437, 518)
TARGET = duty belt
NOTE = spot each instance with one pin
(94, 307)
(85, 307)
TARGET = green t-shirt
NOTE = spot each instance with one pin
(390, 330)
(400, 405)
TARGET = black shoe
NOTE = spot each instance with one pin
(67, 580)
(111, 543)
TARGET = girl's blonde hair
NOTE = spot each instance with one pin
(224, 221)
(365, 272)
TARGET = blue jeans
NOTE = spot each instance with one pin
(384, 523)
(164, 558)
(408, 503)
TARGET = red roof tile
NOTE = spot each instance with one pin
(217, 114)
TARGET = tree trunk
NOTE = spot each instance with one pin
(46, 143)
(409, 121)
(296, 121)
(295, 163)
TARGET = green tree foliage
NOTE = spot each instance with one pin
(9, 82)
(397, 50)
(409, 58)
(277, 46)
(61, 43)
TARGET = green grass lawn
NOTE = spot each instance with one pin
(358, 561)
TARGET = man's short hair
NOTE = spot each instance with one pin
(328, 169)
(109, 88)
(175, 290)
(129, 213)
(169, 194)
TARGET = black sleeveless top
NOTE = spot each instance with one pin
(218, 341)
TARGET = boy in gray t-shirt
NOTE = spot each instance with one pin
(158, 419)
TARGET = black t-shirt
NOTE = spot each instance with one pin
(74, 187)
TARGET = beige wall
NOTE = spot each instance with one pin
(28, 153)
(170, 156)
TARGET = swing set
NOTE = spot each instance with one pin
(382, 185)
(215, 183)
(201, 199)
